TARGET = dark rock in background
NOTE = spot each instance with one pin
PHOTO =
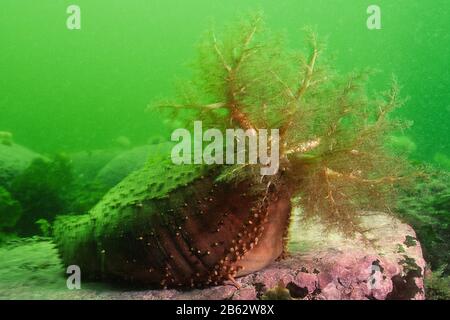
(87, 164)
(14, 159)
(126, 162)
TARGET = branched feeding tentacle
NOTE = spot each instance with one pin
(332, 134)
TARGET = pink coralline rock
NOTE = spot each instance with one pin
(388, 264)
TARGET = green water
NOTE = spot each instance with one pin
(83, 95)
(69, 90)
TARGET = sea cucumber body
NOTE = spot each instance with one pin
(175, 226)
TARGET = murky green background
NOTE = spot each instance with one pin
(66, 91)
(63, 90)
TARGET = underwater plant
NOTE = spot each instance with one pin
(49, 187)
(44, 226)
(193, 225)
(425, 205)
(279, 292)
(10, 210)
(438, 285)
(41, 191)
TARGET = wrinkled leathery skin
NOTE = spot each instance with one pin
(195, 232)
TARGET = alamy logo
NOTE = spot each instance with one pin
(375, 277)
(74, 278)
(241, 147)
(74, 19)
(374, 19)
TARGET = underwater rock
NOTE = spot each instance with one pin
(123, 142)
(14, 159)
(87, 164)
(442, 160)
(123, 164)
(402, 145)
(6, 138)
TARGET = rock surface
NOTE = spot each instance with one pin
(125, 163)
(87, 164)
(14, 159)
(321, 266)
